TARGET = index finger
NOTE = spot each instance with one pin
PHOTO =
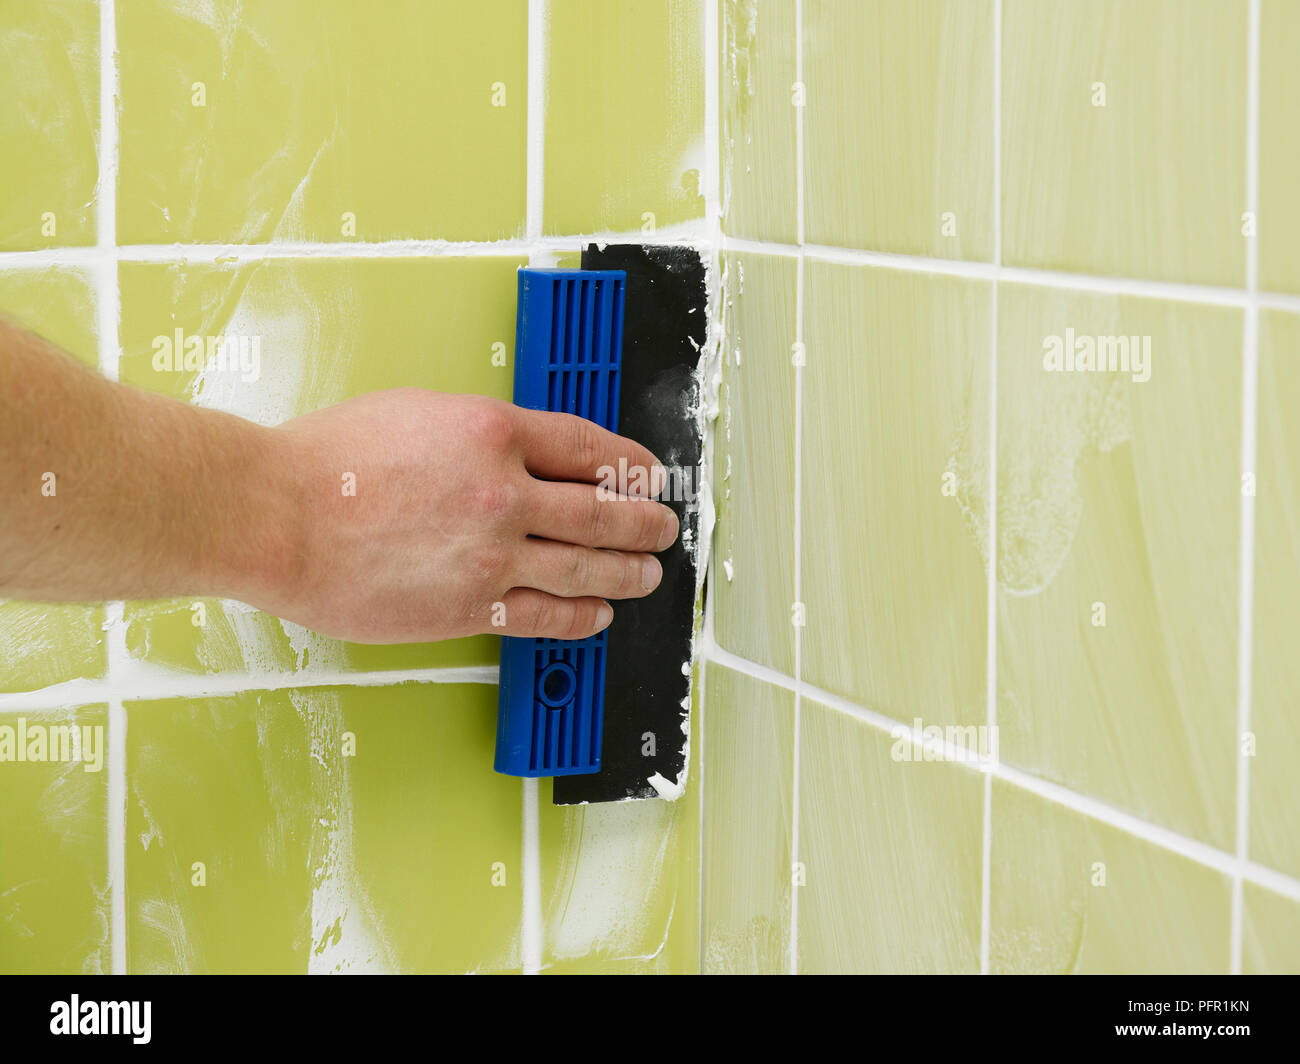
(568, 447)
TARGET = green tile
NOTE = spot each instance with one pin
(620, 882)
(437, 323)
(891, 846)
(409, 117)
(49, 128)
(757, 149)
(1275, 804)
(748, 801)
(337, 829)
(753, 487)
(1279, 147)
(898, 126)
(1270, 933)
(54, 899)
(1152, 184)
(624, 115)
(895, 475)
(1118, 511)
(44, 643)
(1072, 895)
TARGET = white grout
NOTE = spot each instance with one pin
(1249, 444)
(797, 742)
(970, 760)
(536, 165)
(991, 616)
(530, 935)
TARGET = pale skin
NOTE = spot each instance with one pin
(466, 510)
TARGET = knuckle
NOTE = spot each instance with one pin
(600, 521)
(496, 502)
(577, 570)
(489, 562)
(579, 620)
(539, 614)
(493, 427)
(586, 443)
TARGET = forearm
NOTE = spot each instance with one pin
(112, 492)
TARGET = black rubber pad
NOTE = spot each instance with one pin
(647, 678)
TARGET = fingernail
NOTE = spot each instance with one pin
(651, 573)
(603, 616)
(669, 533)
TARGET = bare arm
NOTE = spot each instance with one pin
(399, 516)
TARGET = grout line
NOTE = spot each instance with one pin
(531, 883)
(531, 923)
(131, 683)
(536, 164)
(1249, 449)
(991, 615)
(108, 315)
(1093, 808)
(985, 271)
(797, 739)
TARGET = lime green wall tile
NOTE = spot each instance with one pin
(43, 643)
(327, 329)
(898, 125)
(891, 848)
(315, 858)
(56, 303)
(54, 848)
(1153, 183)
(315, 110)
(1275, 803)
(49, 128)
(895, 475)
(1270, 933)
(757, 149)
(620, 883)
(754, 462)
(1279, 147)
(748, 788)
(1118, 512)
(1072, 895)
(624, 115)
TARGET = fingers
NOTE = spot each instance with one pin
(574, 572)
(582, 514)
(566, 447)
(530, 612)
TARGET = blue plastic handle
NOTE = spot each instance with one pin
(568, 357)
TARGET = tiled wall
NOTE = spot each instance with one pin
(923, 525)
(918, 525)
(355, 186)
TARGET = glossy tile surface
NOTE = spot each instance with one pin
(1118, 509)
(754, 456)
(49, 127)
(323, 830)
(624, 116)
(309, 120)
(899, 126)
(1072, 895)
(748, 802)
(1275, 694)
(895, 490)
(1152, 183)
(54, 904)
(891, 850)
